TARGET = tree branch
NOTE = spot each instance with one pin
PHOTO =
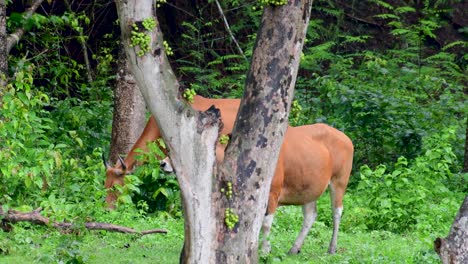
(82, 41)
(226, 24)
(15, 37)
(13, 216)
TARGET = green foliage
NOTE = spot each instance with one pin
(385, 108)
(415, 195)
(38, 167)
(380, 73)
(295, 114)
(34, 244)
(23, 141)
(209, 72)
(150, 187)
(68, 251)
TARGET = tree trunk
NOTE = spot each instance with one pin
(3, 48)
(261, 124)
(211, 235)
(129, 110)
(465, 160)
(454, 248)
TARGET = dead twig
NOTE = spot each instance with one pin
(226, 24)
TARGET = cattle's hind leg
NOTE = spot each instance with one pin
(310, 214)
(336, 194)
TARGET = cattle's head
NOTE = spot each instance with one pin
(166, 165)
(114, 175)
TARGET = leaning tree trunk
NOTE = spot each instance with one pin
(129, 110)
(454, 248)
(3, 49)
(211, 235)
(465, 160)
(259, 129)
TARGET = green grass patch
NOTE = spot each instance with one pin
(35, 244)
(353, 246)
(32, 244)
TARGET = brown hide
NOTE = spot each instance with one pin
(311, 156)
(115, 175)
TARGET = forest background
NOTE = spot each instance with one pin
(390, 74)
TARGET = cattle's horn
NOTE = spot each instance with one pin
(105, 161)
(124, 167)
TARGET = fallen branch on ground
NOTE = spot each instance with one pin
(13, 216)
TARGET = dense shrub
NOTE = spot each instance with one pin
(386, 108)
(42, 158)
(416, 195)
(149, 187)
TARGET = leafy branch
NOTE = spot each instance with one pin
(15, 37)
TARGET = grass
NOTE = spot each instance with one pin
(353, 246)
(33, 244)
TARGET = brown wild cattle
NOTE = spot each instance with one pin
(151, 132)
(311, 158)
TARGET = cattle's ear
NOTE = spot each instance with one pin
(122, 163)
(104, 160)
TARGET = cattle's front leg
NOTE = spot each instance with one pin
(310, 214)
(266, 228)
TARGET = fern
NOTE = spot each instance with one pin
(404, 9)
(401, 31)
(355, 39)
(462, 43)
(382, 4)
(387, 16)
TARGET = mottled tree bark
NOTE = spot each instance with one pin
(191, 136)
(465, 160)
(129, 111)
(454, 248)
(3, 48)
(252, 153)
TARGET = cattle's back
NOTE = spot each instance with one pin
(227, 107)
(338, 144)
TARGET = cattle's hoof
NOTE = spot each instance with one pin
(294, 251)
(331, 251)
